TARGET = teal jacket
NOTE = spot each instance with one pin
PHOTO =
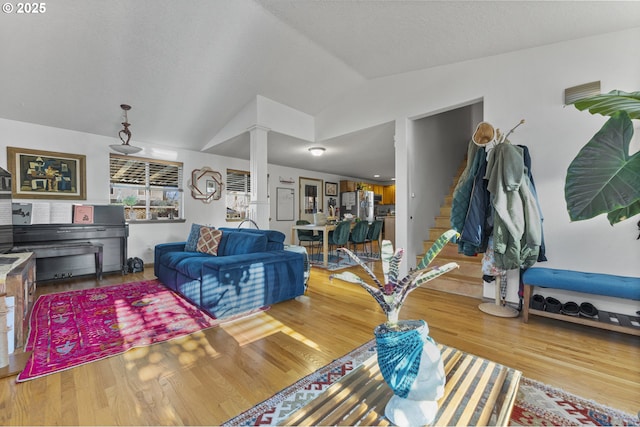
(462, 194)
(517, 226)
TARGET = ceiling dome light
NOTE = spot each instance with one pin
(317, 151)
(125, 135)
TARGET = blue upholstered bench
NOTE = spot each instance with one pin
(589, 283)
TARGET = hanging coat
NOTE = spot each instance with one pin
(527, 163)
(474, 235)
(462, 192)
(469, 205)
(516, 222)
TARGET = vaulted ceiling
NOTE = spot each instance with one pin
(188, 67)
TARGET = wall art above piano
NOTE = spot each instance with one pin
(39, 174)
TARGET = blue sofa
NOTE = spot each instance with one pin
(251, 270)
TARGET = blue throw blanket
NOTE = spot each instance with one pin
(399, 356)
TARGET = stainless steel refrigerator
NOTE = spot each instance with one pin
(357, 203)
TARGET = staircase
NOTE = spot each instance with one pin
(467, 280)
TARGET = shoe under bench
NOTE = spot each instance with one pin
(590, 283)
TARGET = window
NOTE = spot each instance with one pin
(149, 189)
(238, 194)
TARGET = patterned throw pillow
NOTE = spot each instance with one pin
(192, 240)
(209, 240)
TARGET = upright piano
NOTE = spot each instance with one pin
(109, 229)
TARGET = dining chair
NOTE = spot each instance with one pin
(358, 235)
(373, 235)
(339, 237)
(307, 236)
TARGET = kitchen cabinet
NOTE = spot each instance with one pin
(389, 195)
(388, 192)
(348, 186)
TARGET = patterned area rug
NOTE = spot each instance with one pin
(278, 408)
(69, 329)
(536, 404)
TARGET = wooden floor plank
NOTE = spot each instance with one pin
(226, 370)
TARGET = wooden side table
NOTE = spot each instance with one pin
(478, 392)
(17, 279)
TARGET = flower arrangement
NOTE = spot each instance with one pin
(391, 295)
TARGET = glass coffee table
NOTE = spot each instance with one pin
(478, 392)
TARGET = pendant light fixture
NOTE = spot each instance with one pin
(125, 135)
(317, 151)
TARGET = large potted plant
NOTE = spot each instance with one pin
(604, 178)
(409, 360)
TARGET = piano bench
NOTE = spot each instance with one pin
(67, 249)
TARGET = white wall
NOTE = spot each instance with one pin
(527, 84)
(280, 171)
(144, 236)
(440, 143)
(270, 114)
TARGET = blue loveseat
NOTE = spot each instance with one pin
(251, 270)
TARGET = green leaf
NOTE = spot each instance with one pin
(624, 213)
(604, 177)
(424, 276)
(437, 246)
(386, 253)
(347, 276)
(394, 267)
(357, 259)
(436, 272)
(612, 102)
(375, 293)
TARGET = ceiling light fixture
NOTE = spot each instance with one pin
(125, 135)
(317, 151)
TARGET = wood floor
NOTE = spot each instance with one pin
(212, 376)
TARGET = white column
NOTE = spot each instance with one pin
(259, 204)
(404, 209)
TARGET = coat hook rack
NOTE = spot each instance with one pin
(521, 122)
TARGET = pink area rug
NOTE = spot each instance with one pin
(69, 329)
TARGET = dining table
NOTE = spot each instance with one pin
(324, 229)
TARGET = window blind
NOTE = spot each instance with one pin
(238, 181)
(134, 170)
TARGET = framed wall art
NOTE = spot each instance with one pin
(39, 174)
(330, 189)
(310, 196)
